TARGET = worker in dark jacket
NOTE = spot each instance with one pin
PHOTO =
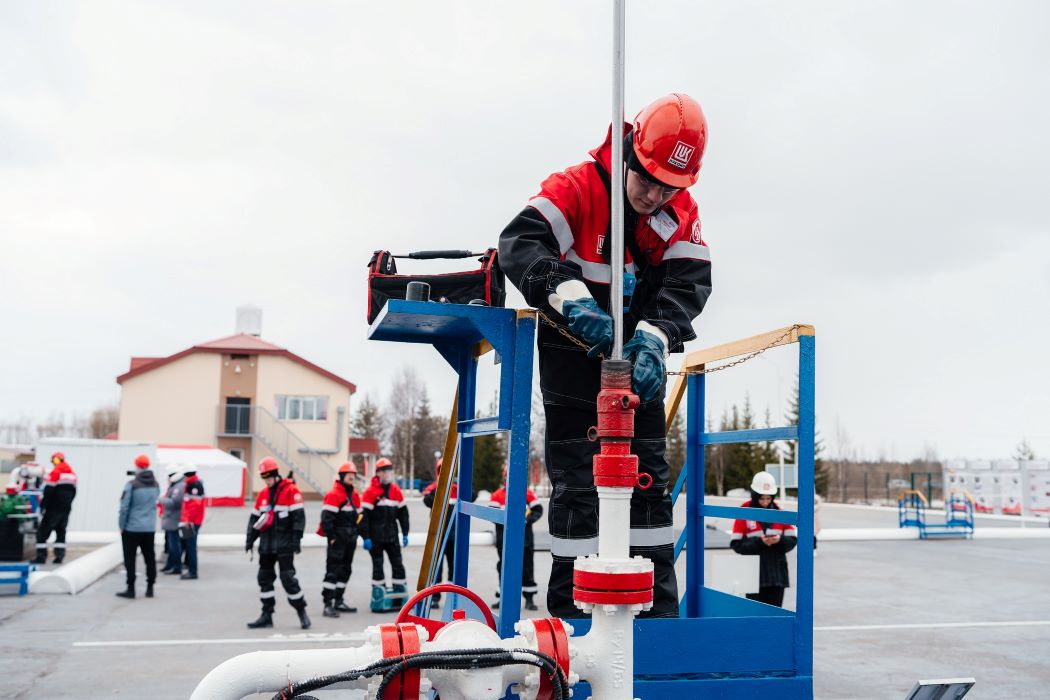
(277, 521)
(59, 491)
(138, 524)
(770, 541)
(533, 512)
(171, 513)
(449, 539)
(557, 252)
(383, 506)
(340, 514)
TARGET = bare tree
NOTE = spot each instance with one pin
(17, 432)
(1024, 451)
(103, 421)
(406, 396)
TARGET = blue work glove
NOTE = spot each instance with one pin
(590, 324)
(646, 351)
(368, 544)
(404, 540)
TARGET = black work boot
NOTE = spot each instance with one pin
(330, 611)
(41, 556)
(343, 607)
(58, 558)
(149, 590)
(530, 604)
(304, 619)
(129, 593)
(265, 620)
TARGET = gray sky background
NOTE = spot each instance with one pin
(878, 169)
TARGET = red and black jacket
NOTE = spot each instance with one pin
(563, 235)
(278, 519)
(340, 513)
(747, 539)
(60, 489)
(533, 512)
(384, 508)
(193, 502)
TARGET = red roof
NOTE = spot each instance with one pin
(241, 343)
(364, 446)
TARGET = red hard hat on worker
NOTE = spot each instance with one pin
(268, 465)
(669, 138)
(142, 461)
(384, 463)
(347, 468)
(59, 456)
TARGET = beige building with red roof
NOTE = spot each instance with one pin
(246, 396)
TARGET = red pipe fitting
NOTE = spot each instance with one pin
(609, 588)
(614, 465)
(552, 639)
(401, 640)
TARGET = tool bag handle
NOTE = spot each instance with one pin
(440, 255)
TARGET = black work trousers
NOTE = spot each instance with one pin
(132, 542)
(285, 565)
(770, 595)
(570, 382)
(528, 575)
(54, 520)
(338, 564)
(397, 566)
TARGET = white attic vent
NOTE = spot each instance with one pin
(249, 320)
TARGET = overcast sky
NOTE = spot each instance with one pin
(878, 169)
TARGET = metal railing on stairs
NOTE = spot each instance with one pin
(288, 448)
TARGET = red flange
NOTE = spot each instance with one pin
(582, 595)
(605, 581)
(401, 640)
(552, 640)
(601, 587)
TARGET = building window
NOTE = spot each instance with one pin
(313, 408)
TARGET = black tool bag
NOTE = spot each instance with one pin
(485, 284)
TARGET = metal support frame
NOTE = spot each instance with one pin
(460, 333)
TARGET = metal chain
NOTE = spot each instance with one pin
(706, 370)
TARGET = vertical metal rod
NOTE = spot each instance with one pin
(616, 180)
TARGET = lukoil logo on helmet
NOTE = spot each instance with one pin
(681, 154)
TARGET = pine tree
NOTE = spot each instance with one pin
(429, 438)
(368, 422)
(820, 469)
(489, 459)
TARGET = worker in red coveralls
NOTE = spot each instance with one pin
(59, 491)
(533, 512)
(770, 541)
(429, 494)
(557, 251)
(190, 523)
(340, 515)
(277, 521)
(384, 509)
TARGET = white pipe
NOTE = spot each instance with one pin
(614, 522)
(268, 671)
(616, 184)
(221, 540)
(604, 657)
(78, 574)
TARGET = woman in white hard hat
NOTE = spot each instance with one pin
(770, 541)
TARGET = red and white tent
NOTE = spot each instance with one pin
(225, 477)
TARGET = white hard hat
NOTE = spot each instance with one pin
(764, 484)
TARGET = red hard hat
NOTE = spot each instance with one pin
(384, 463)
(669, 139)
(267, 465)
(61, 457)
(347, 468)
(142, 461)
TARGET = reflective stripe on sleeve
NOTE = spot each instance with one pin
(595, 272)
(331, 509)
(688, 251)
(366, 506)
(296, 506)
(556, 219)
(561, 547)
